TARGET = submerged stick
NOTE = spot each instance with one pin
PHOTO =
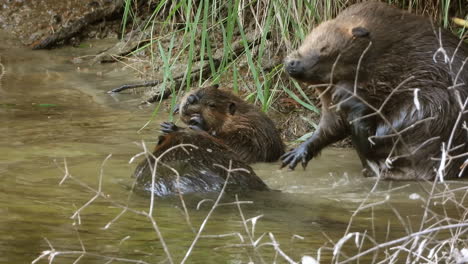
(136, 85)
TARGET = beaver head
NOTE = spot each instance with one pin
(208, 108)
(329, 43)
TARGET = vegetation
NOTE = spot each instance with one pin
(240, 44)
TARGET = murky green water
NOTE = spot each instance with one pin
(51, 110)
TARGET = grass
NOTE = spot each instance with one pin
(205, 34)
(208, 26)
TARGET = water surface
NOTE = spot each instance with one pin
(52, 110)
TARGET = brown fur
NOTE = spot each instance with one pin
(247, 131)
(400, 58)
(195, 166)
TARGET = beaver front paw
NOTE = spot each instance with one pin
(299, 154)
(168, 127)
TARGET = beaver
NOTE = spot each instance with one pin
(395, 84)
(198, 166)
(247, 131)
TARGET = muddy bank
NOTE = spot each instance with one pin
(50, 23)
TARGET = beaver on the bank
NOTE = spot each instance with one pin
(194, 168)
(247, 131)
(398, 87)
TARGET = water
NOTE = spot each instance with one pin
(52, 110)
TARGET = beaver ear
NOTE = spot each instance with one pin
(360, 32)
(232, 108)
(212, 87)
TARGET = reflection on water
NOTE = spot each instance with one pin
(51, 109)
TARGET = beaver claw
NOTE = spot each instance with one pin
(176, 109)
(299, 154)
(168, 127)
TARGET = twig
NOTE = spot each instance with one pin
(275, 245)
(99, 191)
(396, 241)
(202, 226)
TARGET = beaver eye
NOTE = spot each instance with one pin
(212, 105)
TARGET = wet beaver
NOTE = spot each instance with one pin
(198, 167)
(247, 131)
(397, 86)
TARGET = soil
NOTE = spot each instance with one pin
(33, 20)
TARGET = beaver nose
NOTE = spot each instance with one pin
(294, 67)
(192, 99)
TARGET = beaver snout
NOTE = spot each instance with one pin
(300, 65)
(294, 67)
(192, 99)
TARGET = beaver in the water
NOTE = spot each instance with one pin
(189, 169)
(240, 125)
(397, 86)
